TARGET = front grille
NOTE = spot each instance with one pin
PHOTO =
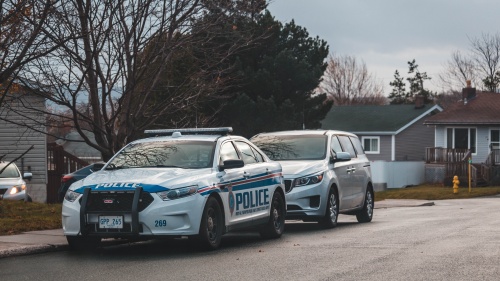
(288, 186)
(2, 191)
(116, 201)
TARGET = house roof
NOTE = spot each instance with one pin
(380, 119)
(484, 109)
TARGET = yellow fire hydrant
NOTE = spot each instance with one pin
(456, 182)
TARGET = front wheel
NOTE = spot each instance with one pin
(366, 214)
(211, 225)
(332, 210)
(276, 225)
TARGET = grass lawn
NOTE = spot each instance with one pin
(17, 217)
(435, 192)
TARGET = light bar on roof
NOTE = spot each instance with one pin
(191, 131)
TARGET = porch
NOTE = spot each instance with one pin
(442, 164)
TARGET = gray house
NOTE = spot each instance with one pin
(467, 129)
(387, 132)
(18, 110)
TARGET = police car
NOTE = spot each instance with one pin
(198, 183)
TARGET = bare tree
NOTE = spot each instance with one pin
(347, 81)
(107, 69)
(458, 70)
(21, 37)
(481, 65)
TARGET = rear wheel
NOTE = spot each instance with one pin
(83, 243)
(211, 226)
(366, 214)
(332, 210)
(276, 225)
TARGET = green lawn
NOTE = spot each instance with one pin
(435, 192)
(17, 217)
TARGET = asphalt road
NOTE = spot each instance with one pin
(452, 240)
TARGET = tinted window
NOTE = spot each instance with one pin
(246, 153)
(336, 144)
(357, 145)
(293, 147)
(183, 154)
(228, 152)
(347, 145)
(257, 154)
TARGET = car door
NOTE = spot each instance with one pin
(257, 185)
(355, 171)
(361, 175)
(342, 170)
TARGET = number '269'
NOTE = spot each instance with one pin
(160, 223)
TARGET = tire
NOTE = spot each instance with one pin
(83, 243)
(366, 214)
(332, 210)
(276, 225)
(211, 226)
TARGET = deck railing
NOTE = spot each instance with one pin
(440, 155)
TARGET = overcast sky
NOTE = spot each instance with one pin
(386, 34)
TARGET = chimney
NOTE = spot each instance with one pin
(419, 101)
(468, 93)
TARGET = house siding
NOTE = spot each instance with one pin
(411, 142)
(15, 139)
(385, 148)
(482, 140)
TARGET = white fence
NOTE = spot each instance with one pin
(396, 174)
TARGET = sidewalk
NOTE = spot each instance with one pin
(53, 240)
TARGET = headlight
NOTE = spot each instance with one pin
(178, 192)
(17, 188)
(71, 195)
(308, 180)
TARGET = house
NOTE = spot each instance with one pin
(393, 136)
(22, 136)
(467, 130)
(387, 132)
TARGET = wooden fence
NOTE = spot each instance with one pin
(59, 162)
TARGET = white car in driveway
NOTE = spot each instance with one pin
(12, 184)
(198, 183)
(326, 173)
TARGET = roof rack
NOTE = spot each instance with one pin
(190, 131)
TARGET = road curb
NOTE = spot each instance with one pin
(31, 249)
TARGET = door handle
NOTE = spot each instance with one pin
(246, 175)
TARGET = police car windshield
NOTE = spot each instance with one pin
(293, 147)
(165, 154)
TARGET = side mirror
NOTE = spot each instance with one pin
(340, 157)
(27, 176)
(231, 164)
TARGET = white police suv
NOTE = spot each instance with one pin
(198, 183)
(326, 173)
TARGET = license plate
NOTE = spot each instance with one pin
(110, 221)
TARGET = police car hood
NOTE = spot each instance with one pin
(150, 179)
(302, 168)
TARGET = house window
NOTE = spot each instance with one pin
(461, 138)
(495, 139)
(371, 145)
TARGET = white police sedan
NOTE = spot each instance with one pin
(198, 183)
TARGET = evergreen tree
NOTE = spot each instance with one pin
(398, 94)
(277, 81)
